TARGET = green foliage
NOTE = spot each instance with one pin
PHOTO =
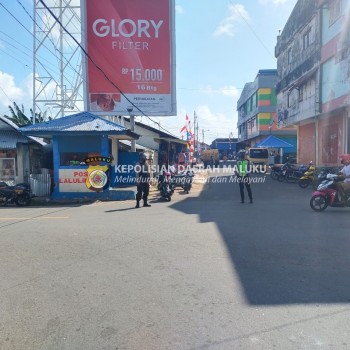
(19, 117)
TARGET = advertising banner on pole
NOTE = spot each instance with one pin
(131, 63)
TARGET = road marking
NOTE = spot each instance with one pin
(36, 218)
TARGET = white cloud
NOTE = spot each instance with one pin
(231, 91)
(237, 14)
(215, 124)
(179, 9)
(9, 92)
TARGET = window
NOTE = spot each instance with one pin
(73, 159)
(334, 11)
(289, 55)
(301, 93)
(306, 39)
(258, 153)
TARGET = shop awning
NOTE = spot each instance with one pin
(128, 143)
(274, 142)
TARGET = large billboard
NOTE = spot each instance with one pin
(131, 57)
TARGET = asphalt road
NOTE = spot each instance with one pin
(200, 272)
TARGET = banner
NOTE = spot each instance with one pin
(132, 49)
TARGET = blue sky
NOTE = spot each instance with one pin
(220, 45)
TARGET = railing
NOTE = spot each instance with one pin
(40, 183)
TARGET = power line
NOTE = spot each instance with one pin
(252, 30)
(49, 50)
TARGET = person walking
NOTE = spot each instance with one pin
(243, 178)
(142, 180)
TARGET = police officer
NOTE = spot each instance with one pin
(142, 180)
(243, 176)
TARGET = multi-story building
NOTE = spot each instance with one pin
(334, 119)
(313, 90)
(257, 113)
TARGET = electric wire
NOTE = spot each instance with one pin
(98, 67)
(252, 30)
(53, 53)
(46, 23)
(49, 50)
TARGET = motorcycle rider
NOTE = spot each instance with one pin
(344, 187)
(142, 180)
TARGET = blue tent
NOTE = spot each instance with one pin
(274, 142)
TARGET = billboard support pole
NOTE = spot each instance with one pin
(132, 128)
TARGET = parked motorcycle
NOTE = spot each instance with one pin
(291, 173)
(165, 186)
(276, 171)
(19, 194)
(183, 180)
(326, 195)
(314, 178)
(308, 177)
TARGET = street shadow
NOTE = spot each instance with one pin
(283, 251)
(124, 209)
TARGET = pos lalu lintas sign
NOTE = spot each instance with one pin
(94, 178)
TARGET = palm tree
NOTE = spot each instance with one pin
(19, 118)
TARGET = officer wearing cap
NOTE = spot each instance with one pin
(142, 180)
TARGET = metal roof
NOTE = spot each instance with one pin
(78, 124)
(10, 132)
(9, 139)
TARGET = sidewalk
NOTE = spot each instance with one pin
(120, 193)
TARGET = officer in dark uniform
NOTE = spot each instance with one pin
(142, 180)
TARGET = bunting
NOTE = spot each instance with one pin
(185, 127)
(189, 137)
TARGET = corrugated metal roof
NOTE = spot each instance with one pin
(84, 122)
(8, 129)
(9, 139)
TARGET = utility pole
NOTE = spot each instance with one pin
(203, 131)
(194, 133)
(197, 139)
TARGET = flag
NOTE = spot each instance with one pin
(185, 127)
(189, 137)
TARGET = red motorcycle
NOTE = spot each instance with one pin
(326, 195)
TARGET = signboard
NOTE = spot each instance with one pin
(73, 180)
(131, 63)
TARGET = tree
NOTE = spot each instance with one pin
(17, 115)
(19, 118)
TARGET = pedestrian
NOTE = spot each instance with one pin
(243, 178)
(181, 160)
(142, 180)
